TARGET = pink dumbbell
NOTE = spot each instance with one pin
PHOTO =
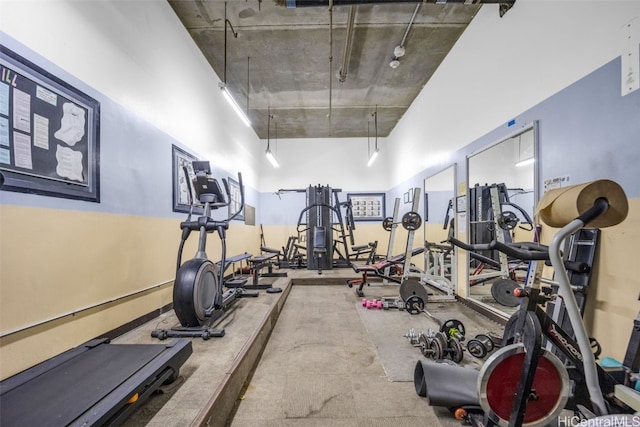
(372, 304)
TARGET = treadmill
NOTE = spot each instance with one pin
(97, 383)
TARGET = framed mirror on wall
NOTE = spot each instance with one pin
(502, 193)
(439, 213)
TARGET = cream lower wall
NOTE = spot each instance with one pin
(57, 263)
(613, 303)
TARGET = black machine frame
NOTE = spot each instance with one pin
(531, 323)
(198, 296)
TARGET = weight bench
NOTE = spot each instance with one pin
(377, 270)
(257, 264)
(269, 253)
(235, 281)
(361, 250)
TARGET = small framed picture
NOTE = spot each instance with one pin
(367, 206)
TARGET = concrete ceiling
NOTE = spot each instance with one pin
(280, 60)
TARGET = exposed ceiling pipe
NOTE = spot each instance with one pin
(399, 50)
(505, 5)
(310, 3)
(404, 38)
(344, 69)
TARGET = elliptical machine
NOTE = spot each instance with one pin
(198, 298)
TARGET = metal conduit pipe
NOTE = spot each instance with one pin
(505, 5)
(404, 38)
(312, 3)
(344, 69)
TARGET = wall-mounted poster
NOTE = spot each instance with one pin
(183, 195)
(236, 199)
(49, 133)
(367, 206)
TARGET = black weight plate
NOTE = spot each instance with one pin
(411, 221)
(414, 305)
(444, 341)
(457, 352)
(410, 287)
(502, 292)
(387, 223)
(274, 290)
(486, 341)
(436, 350)
(476, 348)
(512, 335)
(450, 324)
(424, 344)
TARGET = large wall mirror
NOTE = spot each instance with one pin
(438, 215)
(502, 194)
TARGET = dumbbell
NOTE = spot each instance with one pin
(480, 346)
(438, 346)
(412, 335)
(455, 350)
(430, 346)
(369, 304)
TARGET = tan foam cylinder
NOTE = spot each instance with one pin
(559, 207)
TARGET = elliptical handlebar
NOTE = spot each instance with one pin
(525, 251)
(206, 221)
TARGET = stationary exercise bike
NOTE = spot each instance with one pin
(523, 383)
(198, 298)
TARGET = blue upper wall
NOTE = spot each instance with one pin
(135, 159)
(587, 131)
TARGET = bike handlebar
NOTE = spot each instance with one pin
(522, 250)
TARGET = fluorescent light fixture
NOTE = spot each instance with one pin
(272, 159)
(234, 104)
(525, 162)
(373, 157)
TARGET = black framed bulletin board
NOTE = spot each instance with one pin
(367, 206)
(49, 133)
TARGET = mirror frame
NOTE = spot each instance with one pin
(487, 309)
(454, 252)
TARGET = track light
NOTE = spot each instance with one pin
(234, 104)
(373, 156)
(272, 159)
(374, 153)
(223, 84)
(526, 162)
